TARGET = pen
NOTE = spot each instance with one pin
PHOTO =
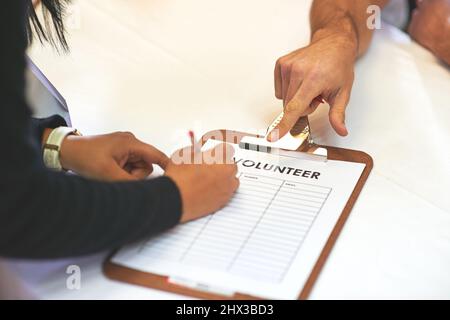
(194, 143)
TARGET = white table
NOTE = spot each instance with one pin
(158, 68)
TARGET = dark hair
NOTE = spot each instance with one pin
(52, 29)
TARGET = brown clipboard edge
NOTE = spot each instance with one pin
(129, 275)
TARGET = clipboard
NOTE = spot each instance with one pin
(154, 281)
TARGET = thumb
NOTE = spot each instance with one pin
(337, 112)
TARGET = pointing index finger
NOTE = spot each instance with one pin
(293, 111)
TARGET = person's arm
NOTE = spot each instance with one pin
(430, 27)
(46, 214)
(339, 35)
(347, 18)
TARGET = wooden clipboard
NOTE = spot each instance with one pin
(132, 276)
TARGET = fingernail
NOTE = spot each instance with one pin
(345, 129)
(272, 135)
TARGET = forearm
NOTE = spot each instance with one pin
(46, 214)
(52, 215)
(344, 18)
(430, 27)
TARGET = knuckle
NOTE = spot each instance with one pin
(277, 63)
(285, 70)
(298, 69)
(281, 61)
(124, 136)
(127, 134)
(315, 73)
(291, 107)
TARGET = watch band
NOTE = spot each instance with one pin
(53, 145)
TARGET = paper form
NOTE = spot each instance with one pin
(266, 241)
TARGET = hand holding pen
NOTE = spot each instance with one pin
(206, 185)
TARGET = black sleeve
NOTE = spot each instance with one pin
(46, 214)
(38, 125)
